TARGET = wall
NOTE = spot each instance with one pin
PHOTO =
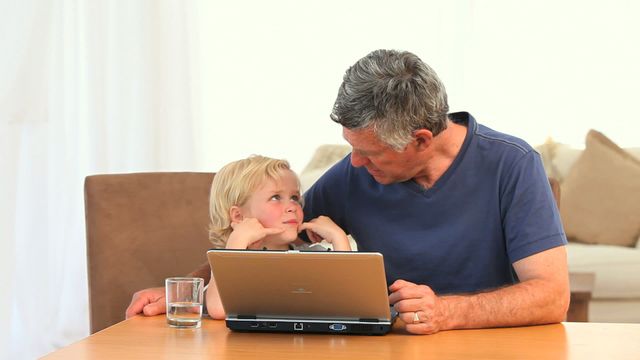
(530, 68)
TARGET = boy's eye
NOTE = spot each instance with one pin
(294, 198)
(299, 199)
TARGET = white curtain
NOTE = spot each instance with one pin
(86, 87)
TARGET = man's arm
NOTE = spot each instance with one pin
(152, 301)
(541, 297)
(204, 271)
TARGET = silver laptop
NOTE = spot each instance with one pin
(299, 291)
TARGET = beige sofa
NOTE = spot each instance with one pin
(600, 209)
(616, 293)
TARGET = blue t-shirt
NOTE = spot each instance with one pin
(492, 207)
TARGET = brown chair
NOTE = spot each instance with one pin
(141, 228)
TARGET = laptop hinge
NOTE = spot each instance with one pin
(370, 320)
(247, 317)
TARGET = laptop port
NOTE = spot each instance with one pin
(254, 324)
(338, 327)
(272, 325)
(298, 326)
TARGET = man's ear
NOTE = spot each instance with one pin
(235, 214)
(422, 139)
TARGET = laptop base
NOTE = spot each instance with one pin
(309, 326)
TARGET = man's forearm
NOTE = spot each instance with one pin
(528, 303)
(204, 271)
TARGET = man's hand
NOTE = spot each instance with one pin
(149, 302)
(541, 297)
(153, 301)
(418, 307)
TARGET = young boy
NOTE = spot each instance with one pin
(256, 204)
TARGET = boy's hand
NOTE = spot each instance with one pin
(323, 228)
(247, 232)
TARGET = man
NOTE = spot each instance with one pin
(464, 215)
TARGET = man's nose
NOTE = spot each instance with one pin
(358, 160)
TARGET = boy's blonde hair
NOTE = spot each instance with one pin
(233, 185)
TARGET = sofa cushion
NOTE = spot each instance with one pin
(616, 269)
(601, 195)
(558, 158)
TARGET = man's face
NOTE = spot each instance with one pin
(385, 164)
(276, 204)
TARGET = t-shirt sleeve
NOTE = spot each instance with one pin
(531, 219)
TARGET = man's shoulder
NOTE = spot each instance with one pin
(343, 172)
(501, 140)
(331, 180)
(486, 137)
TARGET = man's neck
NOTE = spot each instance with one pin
(443, 151)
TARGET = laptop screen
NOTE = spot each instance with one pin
(295, 285)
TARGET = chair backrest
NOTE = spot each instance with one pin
(141, 228)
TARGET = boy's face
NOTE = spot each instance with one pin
(277, 205)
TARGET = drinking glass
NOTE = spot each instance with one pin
(184, 302)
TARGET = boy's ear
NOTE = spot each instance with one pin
(235, 214)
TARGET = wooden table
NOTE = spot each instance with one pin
(150, 338)
(581, 288)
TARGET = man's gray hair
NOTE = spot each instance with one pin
(395, 93)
